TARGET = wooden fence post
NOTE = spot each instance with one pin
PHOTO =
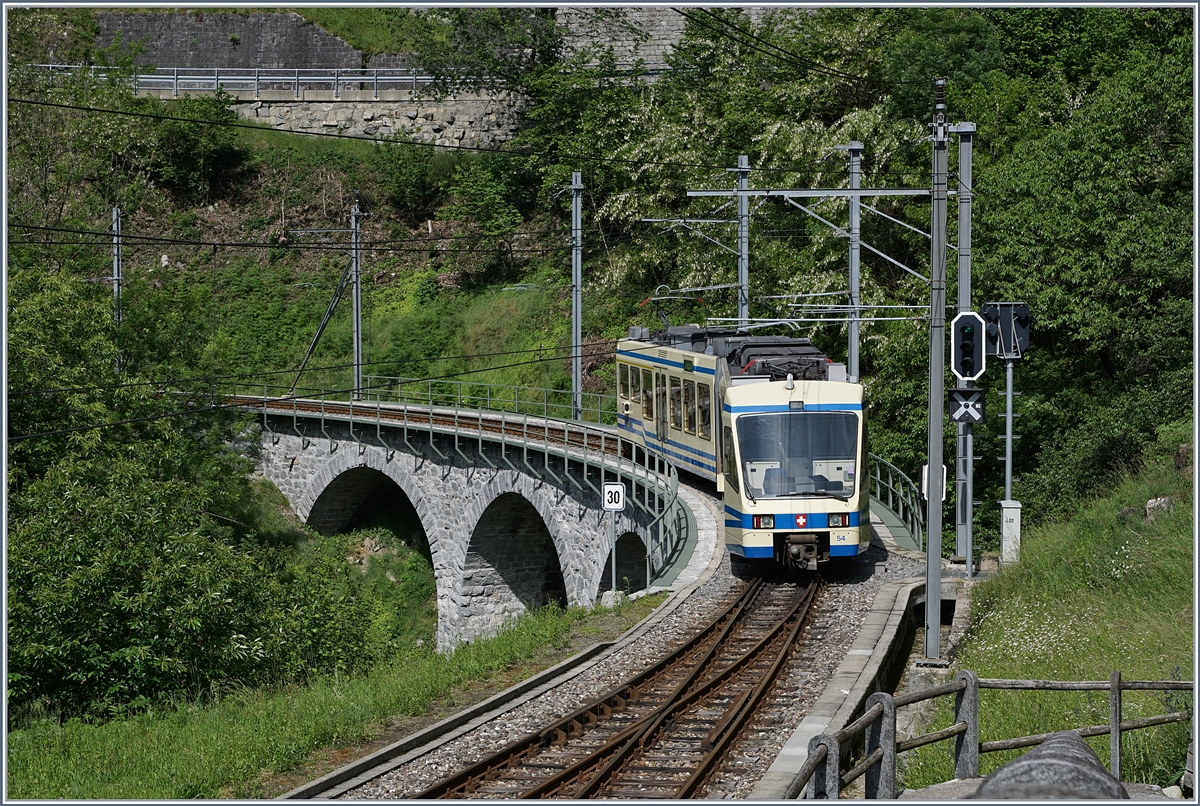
(1114, 722)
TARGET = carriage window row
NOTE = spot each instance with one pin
(690, 403)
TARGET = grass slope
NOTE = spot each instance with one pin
(1093, 594)
(238, 747)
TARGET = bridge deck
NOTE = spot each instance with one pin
(900, 533)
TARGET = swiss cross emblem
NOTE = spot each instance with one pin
(801, 521)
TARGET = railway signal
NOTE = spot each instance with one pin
(966, 405)
(966, 346)
(1007, 329)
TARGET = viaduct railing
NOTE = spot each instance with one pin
(821, 775)
(896, 491)
(599, 454)
(258, 80)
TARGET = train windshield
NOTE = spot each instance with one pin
(794, 454)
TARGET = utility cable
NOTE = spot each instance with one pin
(783, 54)
(282, 398)
(263, 373)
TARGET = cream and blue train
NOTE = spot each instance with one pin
(770, 419)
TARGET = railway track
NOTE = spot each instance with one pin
(659, 734)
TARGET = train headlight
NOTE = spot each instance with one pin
(839, 519)
(764, 521)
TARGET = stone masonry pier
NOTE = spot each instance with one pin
(504, 536)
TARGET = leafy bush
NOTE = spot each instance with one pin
(121, 590)
(192, 154)
(408, 175)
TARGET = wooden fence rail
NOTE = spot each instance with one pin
(821, 775)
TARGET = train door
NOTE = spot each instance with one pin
(660, 409)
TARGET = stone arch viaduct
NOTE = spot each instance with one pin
(508, 506)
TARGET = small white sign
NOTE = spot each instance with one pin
(614, 496)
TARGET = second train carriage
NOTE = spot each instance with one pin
(771, 419)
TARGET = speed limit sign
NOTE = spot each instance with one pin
(614, 496)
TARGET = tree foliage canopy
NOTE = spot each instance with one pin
(135, 569)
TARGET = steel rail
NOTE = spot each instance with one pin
(641, 737)
(580, 770)
(616, 700)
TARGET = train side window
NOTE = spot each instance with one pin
(676, 405)
(647, 395)
(731, 473)
(623, 381)
(635, 386)
(705, 406)
(689, 406)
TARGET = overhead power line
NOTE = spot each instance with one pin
(267, 373)
(723, 28)
(152, 240)
(281, 398)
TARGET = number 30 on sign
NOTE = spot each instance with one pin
(614, 496)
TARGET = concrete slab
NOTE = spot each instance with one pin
(854, 680)
(950, 790)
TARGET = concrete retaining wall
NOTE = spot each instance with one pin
(203, 38)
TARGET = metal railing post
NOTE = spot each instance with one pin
(881, 734)
(255, 82)
(966, 709)
(175, 84)
(297, 82)
(1114, 720)
(376, 95)
(337, 76)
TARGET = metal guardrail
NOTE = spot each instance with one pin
(653, 482)
(244, 79)
(821, 776)
(553, 403)
(239, 79)
(896, 491)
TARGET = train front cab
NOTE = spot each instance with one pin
(793, 460)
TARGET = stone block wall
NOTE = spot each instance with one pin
(648, 33)
(200, 38)
(477, 121)
(511, 565)
(500, 540)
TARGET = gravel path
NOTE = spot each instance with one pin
(838, 613)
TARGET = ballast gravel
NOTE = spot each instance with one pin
(839, 612)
